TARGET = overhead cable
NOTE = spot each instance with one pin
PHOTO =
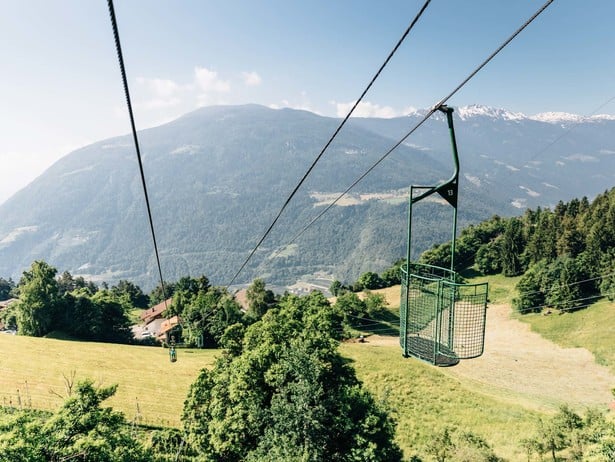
(120, 58)
(326, 146)
(429, 113)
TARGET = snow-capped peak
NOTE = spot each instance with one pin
(563, 117)
(475, 110)
(557, 117)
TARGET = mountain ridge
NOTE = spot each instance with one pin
(218, 175)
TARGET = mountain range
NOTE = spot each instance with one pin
(218, 176)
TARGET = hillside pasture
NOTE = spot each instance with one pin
(498, 396)
(424, 400)
(34, 373)
(592, 328)
(553, 363)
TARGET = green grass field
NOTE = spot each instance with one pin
(591, 328)
(425, 400)
(501, 289)
(33, 371)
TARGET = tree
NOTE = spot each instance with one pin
(157, 296)
(531, 295)
(369, 281)
(512, 247)
(80, 430)
(607, 283)
(206, 317)
(374, 303)
(566, 430)
(455, 445)
(259, 299)
(115, 324)
(101, 317)
(335, 288)
(67, 283)
(352, 307)
(488, 257)
(287, 395)
(130, 294)
(439, 255)
(392, 275)
(6, 288)
(38, 300)
(563, 277)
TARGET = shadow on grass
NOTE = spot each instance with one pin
(384, 323)
(469, 273)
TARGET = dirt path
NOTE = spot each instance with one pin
(520, 365)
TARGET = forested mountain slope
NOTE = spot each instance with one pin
(218, 176)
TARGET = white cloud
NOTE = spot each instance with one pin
(251, 79)
(209, 86)
(161, 93)
(581, 158)
(208, 81)
(365, 109)
(519, 203)
(530, 192)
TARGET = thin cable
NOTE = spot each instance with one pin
(577, 307)
(424, 119)
(326, 146)
(120, 58)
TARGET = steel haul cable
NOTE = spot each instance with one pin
(424, 119)
(326, 146)
(120, 58)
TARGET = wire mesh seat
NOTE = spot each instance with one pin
(441, 321)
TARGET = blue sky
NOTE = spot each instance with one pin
(61, 86)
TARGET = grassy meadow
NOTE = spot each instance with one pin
(423, 399)
(33, 371)
(592, 328)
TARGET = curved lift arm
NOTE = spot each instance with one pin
(448, 190)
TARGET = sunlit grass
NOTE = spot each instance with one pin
(592, 328)
(33, 371)
(501, 288)
(425, 400)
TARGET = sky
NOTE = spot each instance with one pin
(61, 86)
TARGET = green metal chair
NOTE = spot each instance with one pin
(441, 320)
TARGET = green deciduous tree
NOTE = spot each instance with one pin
(336, 288)
(130, 294)
(260, 299)
(80, 430)
(368, 281)
(6, 288)
(392, 276)
(38, 300)
(450, 444)
(567, 431)
(530, 292)
(287, 395)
